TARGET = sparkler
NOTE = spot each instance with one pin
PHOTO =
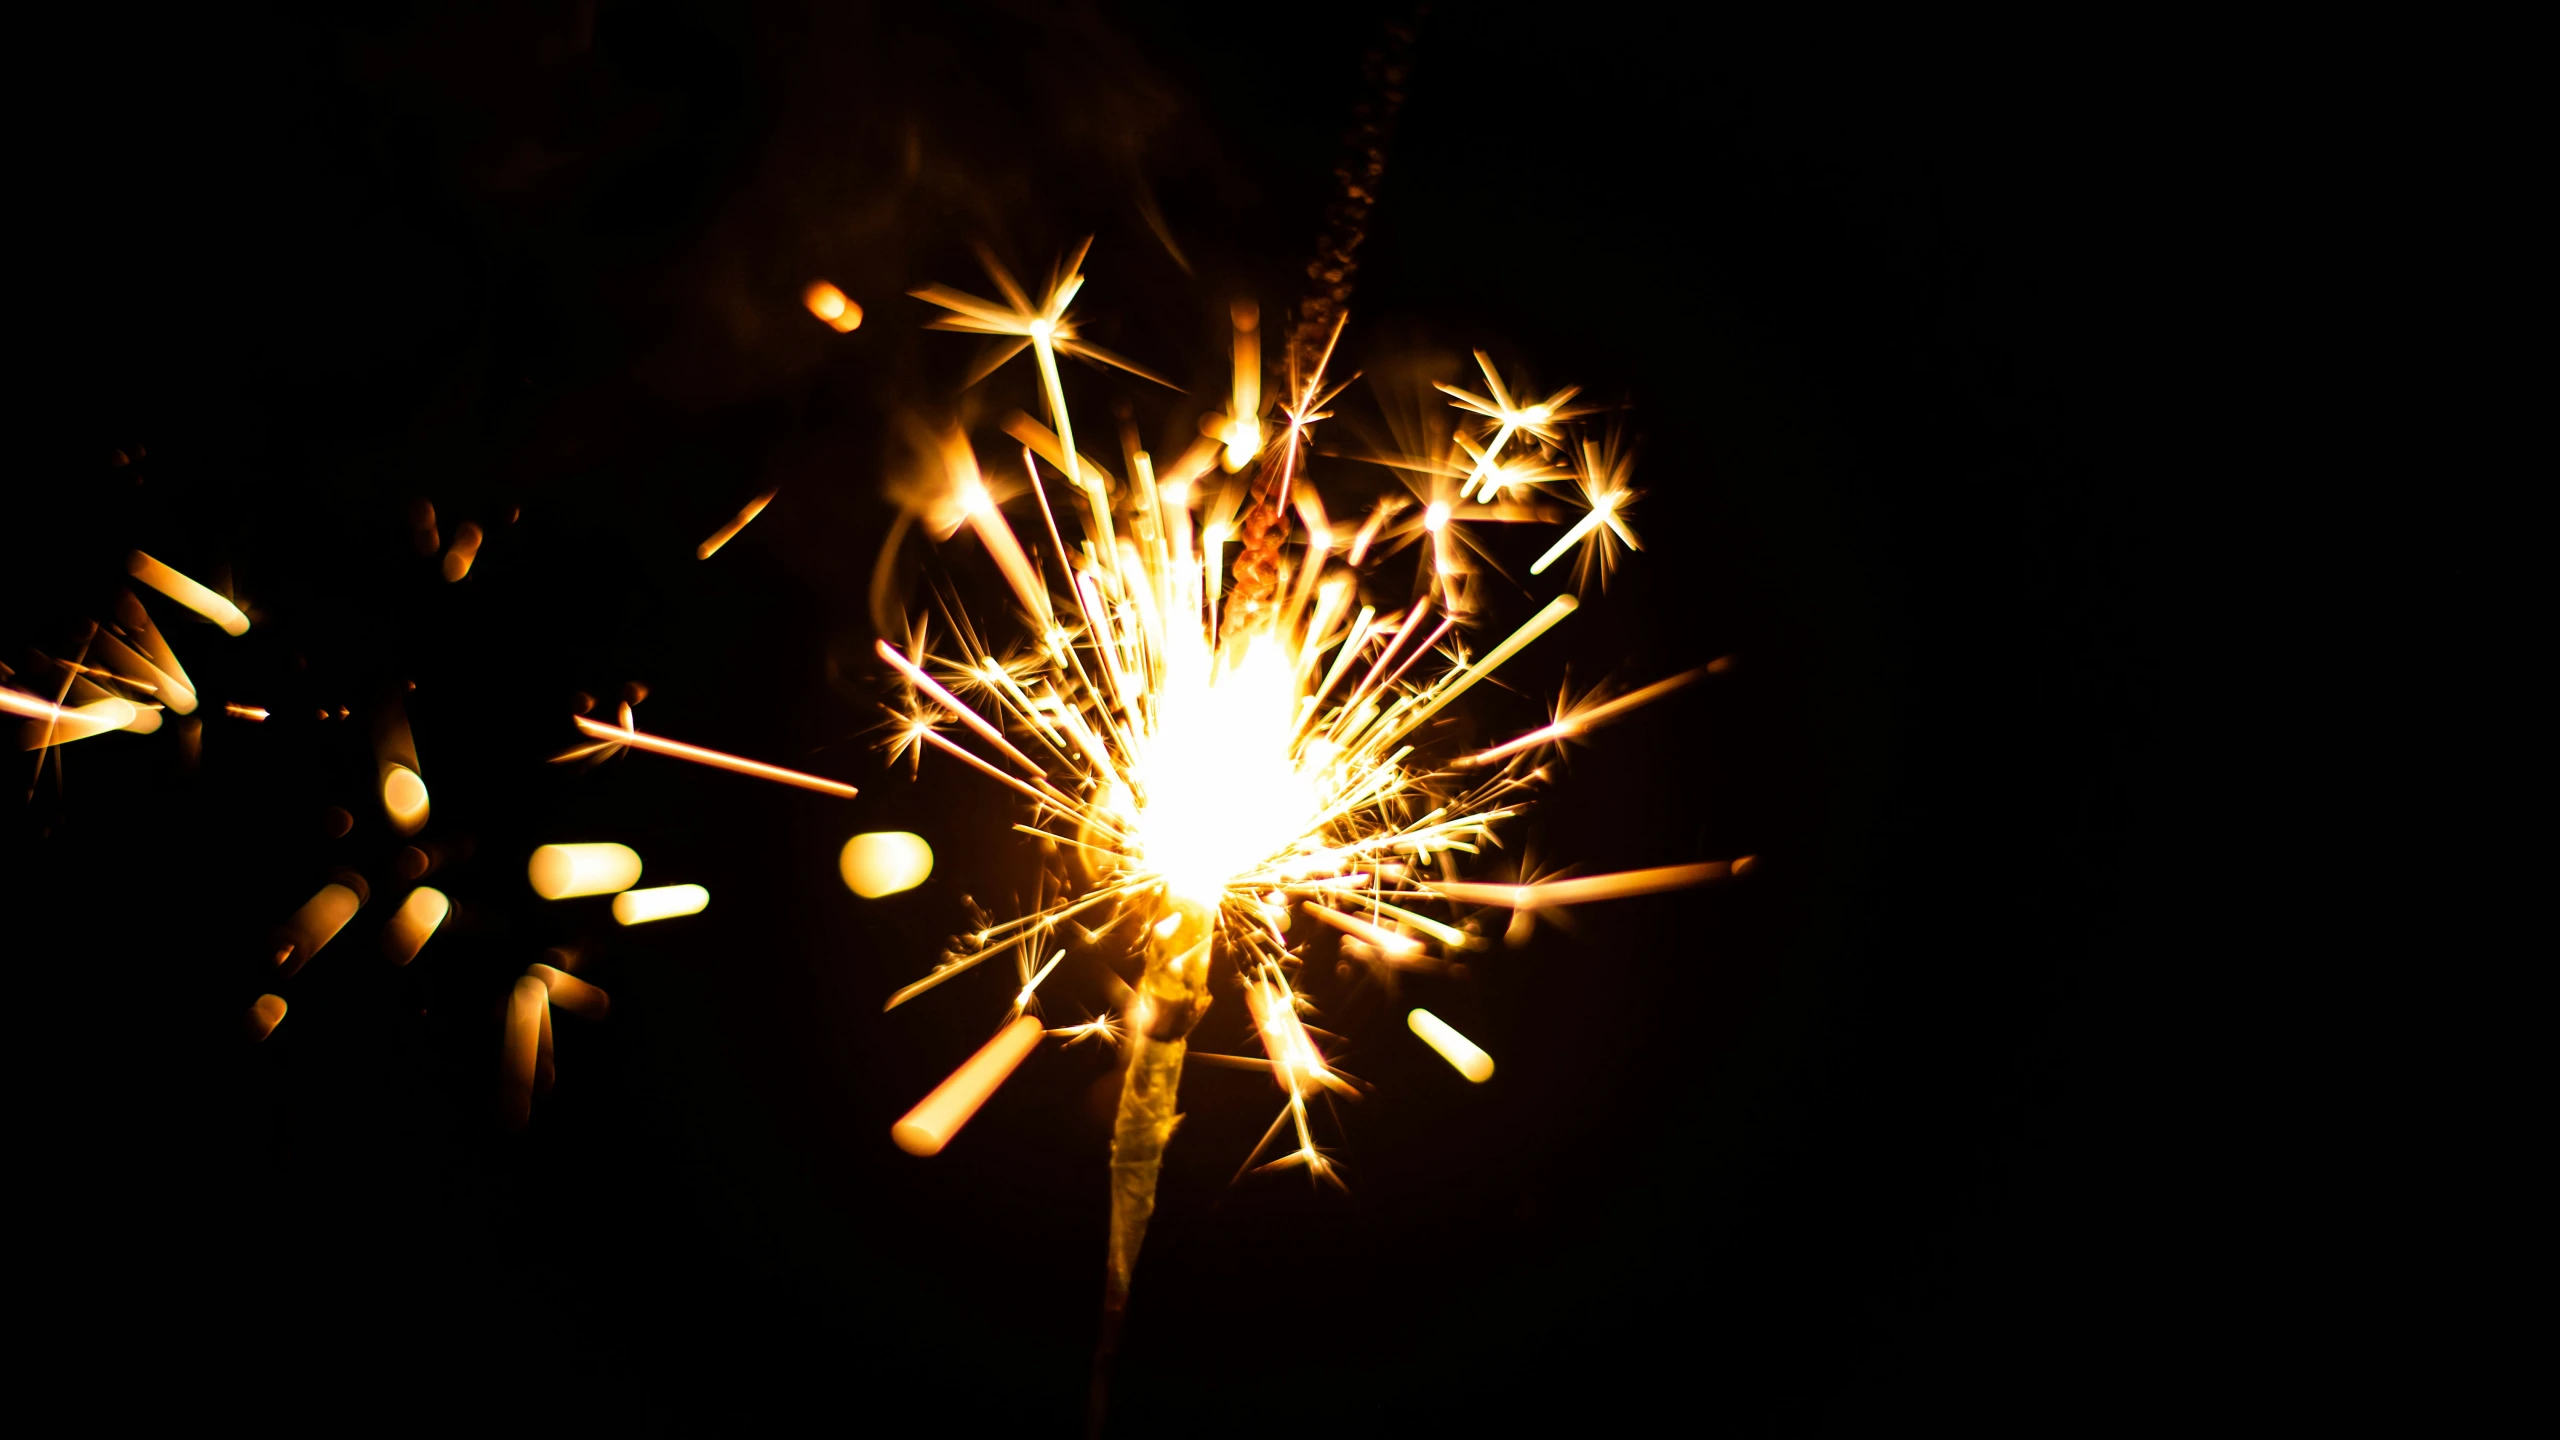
(1209, 759)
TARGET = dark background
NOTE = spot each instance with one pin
(1886, 1133)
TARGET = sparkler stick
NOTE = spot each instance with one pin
(660, 745)
(188, 593)
(1172, 993)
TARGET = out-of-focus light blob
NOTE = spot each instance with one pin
(665, 902)
(737, 522)
(395, 752)
(525, 1007)
(660, 745)
(264, 1016)
(833, 306)
(335, 822)
(466, 548)
(1463, 1054)
(404, 798)
(560, 872)
(884, 862)
(571, 993)
(412, 924)
(939, 1116)
(317, 923)
(188, 593)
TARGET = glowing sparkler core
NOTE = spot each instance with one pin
(1223, 795)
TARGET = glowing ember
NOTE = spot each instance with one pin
(831, 305)
(885, 862)
(665, 902)
(559, 872)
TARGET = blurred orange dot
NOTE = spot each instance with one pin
(831, 305)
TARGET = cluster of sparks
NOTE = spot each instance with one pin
(1254, 751)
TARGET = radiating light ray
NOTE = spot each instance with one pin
(663, 902)
(737, 522)
(1581, 721)
(1463, 1054)
(660, 745)
(938, 1117)
(1551, 893)
(188, 593)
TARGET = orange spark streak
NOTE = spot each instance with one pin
(950, 702)
(623, 735)
(1590, 887)
(245, 712)
(939, 1116)
(1575, 724)
(188, 593)
(738, 522)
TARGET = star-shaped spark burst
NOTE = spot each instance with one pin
(1537, 419)
(1607, 466)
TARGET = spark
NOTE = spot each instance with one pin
(570, 993)
(833, 306)
(1463, 1054)
(738, 522)
(188, 593)
(253, 713)
(884, 862)
(939, 1116)
(265, 1015)
(664, 902)
(561, 872)
(1552, 893)
(624, 735)
(1582, 721)
(414, 923)
(465, 548)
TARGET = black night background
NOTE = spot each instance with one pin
(1871, 1138)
